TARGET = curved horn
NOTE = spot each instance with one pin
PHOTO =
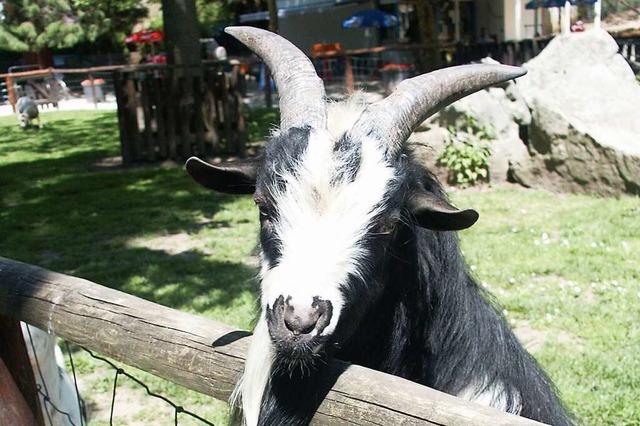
(302, 94)
(393, 119)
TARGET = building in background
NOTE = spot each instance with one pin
(309, 22)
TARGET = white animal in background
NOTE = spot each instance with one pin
(27, 111)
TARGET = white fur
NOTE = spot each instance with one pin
(321, 226)
(343, 115)
(493, 397)
(255, 377)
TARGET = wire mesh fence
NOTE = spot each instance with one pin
(57, 412)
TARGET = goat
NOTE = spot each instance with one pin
(62, 406)
(359, 253)
(27, 111)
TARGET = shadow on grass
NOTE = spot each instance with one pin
(92, 132)
(57, 214)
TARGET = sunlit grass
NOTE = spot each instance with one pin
(568, 266)
(563, 266)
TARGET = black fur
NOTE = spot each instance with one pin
(416, 312)
(434, 325)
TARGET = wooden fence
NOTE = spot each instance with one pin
(505, 52)
(629, 48)
(175, 112)
(207, 356)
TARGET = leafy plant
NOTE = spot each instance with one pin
(467, 151)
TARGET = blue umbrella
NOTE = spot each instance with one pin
(544, 4)
(370, 18)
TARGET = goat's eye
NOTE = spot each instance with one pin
(264, 214)
(387, 228)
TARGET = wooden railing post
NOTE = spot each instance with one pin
(11, 92)
(19, 401)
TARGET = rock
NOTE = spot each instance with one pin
(491, 107)
(584, 134)
(426, 146)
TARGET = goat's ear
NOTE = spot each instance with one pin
(238, 177)
(435, 213)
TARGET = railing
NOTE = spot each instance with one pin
(4, 92)
(629, 48)
(506, 52)
(389, 64)
(49, 86)
(207, 356)
(163, 111)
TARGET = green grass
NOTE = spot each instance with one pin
(58, 211)
(565, 267)
(568, 266)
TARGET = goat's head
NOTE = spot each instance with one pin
(329, 203)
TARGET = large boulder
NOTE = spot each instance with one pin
(502, 109)
(585, 117)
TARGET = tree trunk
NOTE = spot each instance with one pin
(181, 34)
(273, 27)
(429, 58)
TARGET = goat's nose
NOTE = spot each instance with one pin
(304, 321)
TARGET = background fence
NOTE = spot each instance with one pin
(391, 64)
(630, 50)
(164, 112)
(207, 356)
(176, 112)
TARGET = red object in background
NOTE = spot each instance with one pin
(96, 82)
(147, 36)
(578, 27)
(156, 59)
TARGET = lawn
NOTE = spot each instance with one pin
(563, 266)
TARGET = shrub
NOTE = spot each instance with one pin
(467, 151)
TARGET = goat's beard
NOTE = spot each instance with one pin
(301, 360)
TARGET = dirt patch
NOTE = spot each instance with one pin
(533, 340)
(171, 244)
(132, 407)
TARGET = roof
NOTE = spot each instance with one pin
(297, 7)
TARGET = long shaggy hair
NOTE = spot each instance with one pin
(360, 257)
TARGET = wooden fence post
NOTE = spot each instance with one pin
(19, 401)
(11, 92)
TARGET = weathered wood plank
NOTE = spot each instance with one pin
(18, 390)
(160, 99)
(125, 146)
(13, 408)
(131, 111)
(207, 356)
(170, 85)
(186, 113)
(198, 116)
(146, 100)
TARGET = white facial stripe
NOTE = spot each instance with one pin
(321, 225)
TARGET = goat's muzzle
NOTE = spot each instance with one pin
(297, 331)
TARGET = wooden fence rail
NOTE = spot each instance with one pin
(208, 357)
